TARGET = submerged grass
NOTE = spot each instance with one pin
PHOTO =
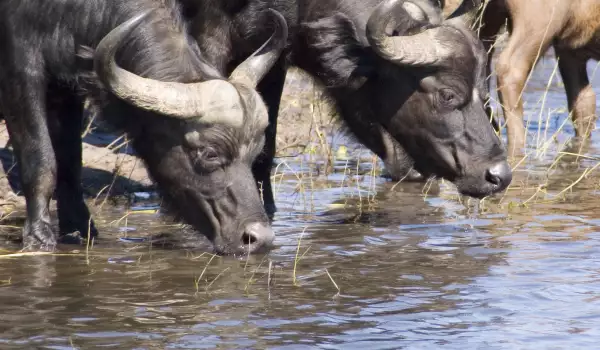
(332, 281)
(297, 258)
(197, 280)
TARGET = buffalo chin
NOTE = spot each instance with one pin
(467, 187)
(480, 186)
(475, 183)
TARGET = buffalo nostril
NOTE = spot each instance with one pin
(248, 238)
(499, 175)
(493, 178)
(257, 236)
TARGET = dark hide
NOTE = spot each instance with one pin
(434, 113)
(44, 74)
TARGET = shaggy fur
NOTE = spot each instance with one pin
(45, 71)
(392, 109)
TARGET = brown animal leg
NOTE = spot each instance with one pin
(514, 64)
(488, 82)
(580, 96)
(494, 18)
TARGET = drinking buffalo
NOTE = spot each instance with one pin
(401, 77)
(197, 132)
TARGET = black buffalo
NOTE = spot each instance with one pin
(197, 131)
(402, 78)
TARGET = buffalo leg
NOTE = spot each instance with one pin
(580, 96)
(398, 164)
(271, 89)
(514, 64)
(25, 114)
(65, 119)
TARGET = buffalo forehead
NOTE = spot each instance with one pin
(220, 103)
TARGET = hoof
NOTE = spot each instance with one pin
(39, 237)
(76, 231)
(72, 238)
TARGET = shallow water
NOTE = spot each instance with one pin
(360, 262)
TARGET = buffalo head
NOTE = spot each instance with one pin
(421, 79)
(199, 139)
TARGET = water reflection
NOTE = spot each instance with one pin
(431, 273)
(387, 278)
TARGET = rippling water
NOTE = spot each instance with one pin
(360, 262)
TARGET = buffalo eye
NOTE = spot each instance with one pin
(206, 158)
(448, 98)
(207, 154)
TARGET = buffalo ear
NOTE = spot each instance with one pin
(333, 42)
(414, 19)
(406, 25)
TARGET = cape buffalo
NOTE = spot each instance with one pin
(571, 27)
(197, 132)
(401, 78)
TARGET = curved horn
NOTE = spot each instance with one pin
(466, 12)
(254, 68)
(422, 49)
(211, 101)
